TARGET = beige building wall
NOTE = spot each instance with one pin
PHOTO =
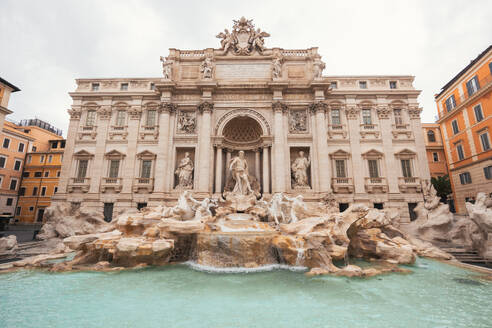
(357, 120)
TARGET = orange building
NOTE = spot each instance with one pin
(434, 147)
(6, 88)
(465, 118)
(39, 182)
(13, 148)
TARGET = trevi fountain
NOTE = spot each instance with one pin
(246, 258)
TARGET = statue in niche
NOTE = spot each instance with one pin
(299, 171)
(184, 171)
(318, 67)
(277, 68)
(207, 68)
(186, 122)
(167, 68)
(239, 171)
(298, 121)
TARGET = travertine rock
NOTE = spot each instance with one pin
(481, 214)
(8, 244)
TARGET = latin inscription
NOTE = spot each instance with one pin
(242, 71)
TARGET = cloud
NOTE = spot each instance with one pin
(47, 44)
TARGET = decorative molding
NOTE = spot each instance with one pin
(244, 39)
(135, 112)
(414, 112)
(167, 107)
(352, 112)
(278, 106)
(383, 112)
(318, 106)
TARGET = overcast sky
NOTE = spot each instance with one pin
(45, 45)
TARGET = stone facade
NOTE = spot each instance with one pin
(127, 137)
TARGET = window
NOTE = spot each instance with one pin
(41, 159)
(25, 174)
(465, 178)
(146, 168)
(38, 174)
(58, 174)
(411, 211)
(3, 160)
(43, 191)
(379, 206)
(31, 208)
(35, 191)
(398, 118)
(17, 164)
(22, 191)
(373, 168)
(13, 184)
(124, 86)
(54, 145)
(435, 157)
(141, 205)
(335, 117)
(29, 159)
(152, 86)
(406, 168)
(478, 113)
(50, 158)
(18, 210)
(120, 118)
(461, 153)
(333, 85)
(487, 171)
(363, 84)
(490, 67)
(431, 136)
(91, 117)
(46, 174)
(366, 116)
(10, 201)
(95, 87)
(56, 189)
(34, 148)
(114, 166)
(21, 147)
(484, 139)
(392, 84)
(108, 212)
(151, 116)
(472, 86)
(454, 124)
(450, 103)
(6, 143)
(340, 167)
(82, 169)
(62, 144)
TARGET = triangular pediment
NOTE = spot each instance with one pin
(340, 153)
(146, 154)
(114, 153)
(405, 153)
(83, 153)
(373, 153)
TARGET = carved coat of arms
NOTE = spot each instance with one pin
(244, 39)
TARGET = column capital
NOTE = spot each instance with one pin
(74, 113)
(167, 107)
(206, 106)
(318, 106)
(414, 112)
(352, 112)
(279, 106)
(383, 112)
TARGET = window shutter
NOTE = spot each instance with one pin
(469, 87)
(476, 82)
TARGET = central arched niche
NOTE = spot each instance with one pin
(242, 130)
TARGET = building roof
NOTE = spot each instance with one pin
(12, 128)
(463, 71)
(15, 89)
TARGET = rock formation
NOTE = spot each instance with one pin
(8, 245)
(319, 237)
(481, 214)
(436, 224)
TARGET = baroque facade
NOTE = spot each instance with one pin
(137, 142)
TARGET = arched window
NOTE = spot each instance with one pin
(431, 136)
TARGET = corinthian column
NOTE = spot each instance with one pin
(204, 145)
(266, 171)
(162, 157)
(324, 171)
(278, 148)
(218, 171)
(257, 165)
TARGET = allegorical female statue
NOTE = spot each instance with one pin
(184, 172)
(299, 171)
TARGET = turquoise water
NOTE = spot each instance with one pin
(435, 295)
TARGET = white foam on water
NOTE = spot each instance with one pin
(264, 268)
